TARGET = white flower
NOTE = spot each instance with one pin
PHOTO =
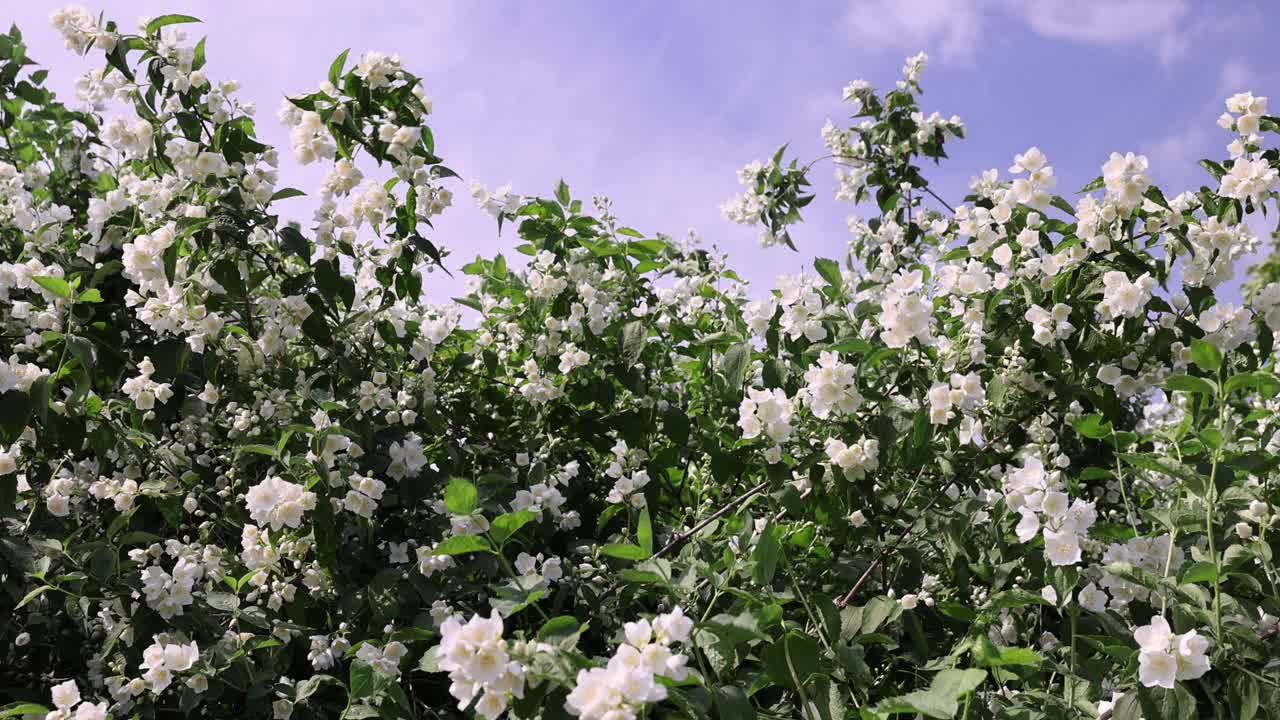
(1126, 179)
(165, 658)
(1165, 657)
(1249, 180)
(627, 683)
(1157, 669)
(1122, 297)
(65, 695)
(278, 502)
(768, 412)
(854, 460)
(143, 390)
(830, 387)
(91, 711)
(1093, 599)
(478, 662)
(1061, 548)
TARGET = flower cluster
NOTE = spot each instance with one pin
(622, 688)
(476, 656)
(768, 412)
(1036, 494)
(1165, 656)
(278, 502)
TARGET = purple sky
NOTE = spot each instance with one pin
(658, 104)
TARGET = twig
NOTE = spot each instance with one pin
(945, 204)
(682, 539)
(883, 554)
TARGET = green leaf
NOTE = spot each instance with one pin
(287, 193)
(1094, 184)
(559, 628)
(644, 531)
(624, 551)
(633, 338)
(1013, 656)
(361, 680)
(830, 271)
(1175, 704)
(32, 595)
(766, 554)
(1267, 384)
(19, 709)
(562, 192)
(1195, 481)
(1206, 355)
(508, 524)
(734, 365)
(292, 240)
(791, 660)
(1200, 572)
(1092, 426)
(956, 684)
(82, 349)
(1015, 599)
(1127, 708)
(1189, 383)
(165, 20)
(877, 611)
(335, 68)
(462, 544)
(222, 601)
(92, 295)
(1242, 695)
(461, 497)
(1216, 170)
(732, 704)
(57, 286)
(1154, 195)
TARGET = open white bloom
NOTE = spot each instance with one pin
(628, 682)
(1165, 657)
(1249, 180)
(164, 659)
(65, 695)
(1035, 189)
(768, 412)
(830, 387)
(1122, 297)
(476, 657)
(1126, 179)
(905, 313)
(855, 460)
(144, 391)
(278, 502)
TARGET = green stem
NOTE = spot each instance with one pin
(1209, 502)
(1124, 493)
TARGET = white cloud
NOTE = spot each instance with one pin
(1159, 25)
(949, 28)
(1236, 76)
(1174, 156)
(955, 29)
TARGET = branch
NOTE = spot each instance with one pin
(682, 539)
(883, 554)
(945, 204)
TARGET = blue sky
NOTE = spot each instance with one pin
(658, 104)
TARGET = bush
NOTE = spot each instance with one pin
(1008, 459)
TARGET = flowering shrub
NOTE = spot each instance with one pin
(1011, 458)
